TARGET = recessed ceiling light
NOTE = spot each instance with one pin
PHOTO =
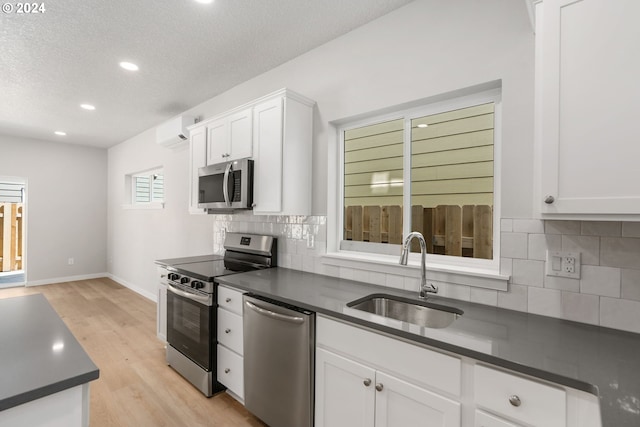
(423, 125)
(60, 133)
(205, 1)
(129, 66)
(87, 107)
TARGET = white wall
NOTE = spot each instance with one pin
(138, 237)
(66, 212)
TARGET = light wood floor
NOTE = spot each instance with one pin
(117, 328)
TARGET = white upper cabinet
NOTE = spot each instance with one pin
(197, 159)
(229, 138)
(587, 107)
(283, 133)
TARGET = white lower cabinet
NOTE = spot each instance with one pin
(230, 351)
(351, 394)
(482, 419)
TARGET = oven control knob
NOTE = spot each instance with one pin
(184, 280)
(197, 285)
(173, 276)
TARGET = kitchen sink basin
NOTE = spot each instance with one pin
(422, 313)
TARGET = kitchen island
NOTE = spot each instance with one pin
(598, 361)
(45, 372)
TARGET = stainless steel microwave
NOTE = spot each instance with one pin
(226, 186)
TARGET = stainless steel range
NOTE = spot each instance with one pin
(191, 304)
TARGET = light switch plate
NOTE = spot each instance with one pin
(563, 264)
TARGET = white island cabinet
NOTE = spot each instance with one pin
(368, 379)
(587, 108)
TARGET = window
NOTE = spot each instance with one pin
(431, 169)
(148, 187)
(144, 190)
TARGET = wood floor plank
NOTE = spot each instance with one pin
(136, 388)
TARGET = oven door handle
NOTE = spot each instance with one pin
(273, 315)
(197, 298)
(225, 184)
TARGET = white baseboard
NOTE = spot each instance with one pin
(65, 279)
(133, 287)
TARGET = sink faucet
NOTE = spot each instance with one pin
(404, 257)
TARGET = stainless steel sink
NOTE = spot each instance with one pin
(420, 313)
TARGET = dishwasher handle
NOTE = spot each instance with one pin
(273, 315)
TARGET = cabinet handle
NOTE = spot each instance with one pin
(227, 370)
(367, 382)
(549, 200)
(515, 400)
(228, 300)
(226, 331)
(379, 386)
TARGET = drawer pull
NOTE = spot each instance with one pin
(515, 400)
(227, 370)
(367, 382)
(226, 331)
(379, 386)
(228, 300)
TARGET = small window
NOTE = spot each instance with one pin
(148, 187)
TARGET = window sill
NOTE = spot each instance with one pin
(460, 275)
(144, 206)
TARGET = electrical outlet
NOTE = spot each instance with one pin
(563, 264)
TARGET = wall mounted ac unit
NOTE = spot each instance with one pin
(174, 133)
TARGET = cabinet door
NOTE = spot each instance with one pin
(198, 159)
(482, 419)
(268, 166)
(217, 141)
(401, 404)
(240, 135)
(587, 96)
(345, 393)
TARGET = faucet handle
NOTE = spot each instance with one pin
(428, 288)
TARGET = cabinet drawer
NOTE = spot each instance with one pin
(230, 330)
(411, 361)
(230, 371)
(230, 299)
(539, 404)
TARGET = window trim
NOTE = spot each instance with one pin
(130, 191)
(435, 263)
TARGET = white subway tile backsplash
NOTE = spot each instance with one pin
(602, 228)
(562, 283)
(631, 229)
(514, 245)
(620, 314)
(581, 308)
(506, 225)
(515, 299)
(449, 290)
(394, 281)
(546, 302)
(562, 227)
(540, 243)
(620, 252)
(631, 284)
(588, 246)
(484, 296)
(528, 272)
(528, 226)
(603, 281)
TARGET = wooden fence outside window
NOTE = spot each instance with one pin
(11, 236)
(448, 229)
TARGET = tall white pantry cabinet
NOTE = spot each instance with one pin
(587, 109)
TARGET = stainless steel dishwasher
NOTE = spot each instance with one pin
(279, 349)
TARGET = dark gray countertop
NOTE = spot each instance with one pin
(601, 361)
(39, 355)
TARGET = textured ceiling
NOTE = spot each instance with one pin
(52, 62)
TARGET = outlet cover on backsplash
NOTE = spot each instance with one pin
(563, 264)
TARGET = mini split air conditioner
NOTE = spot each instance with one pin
(174, 133)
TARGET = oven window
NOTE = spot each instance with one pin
(189, 326)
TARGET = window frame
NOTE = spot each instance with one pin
(338, 248)
(131, 201)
